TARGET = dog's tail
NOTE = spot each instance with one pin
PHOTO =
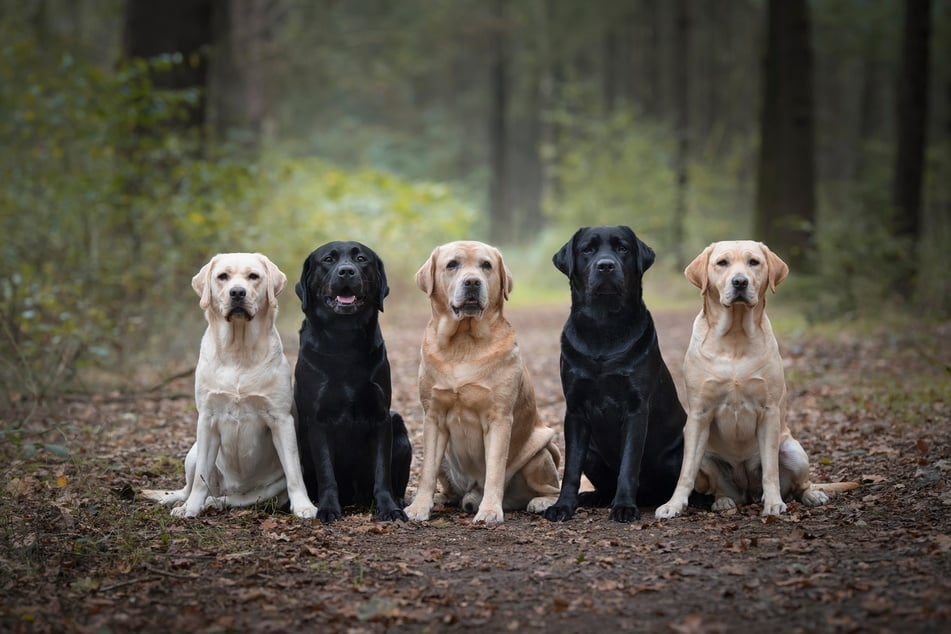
(164, 497)
(835, 487)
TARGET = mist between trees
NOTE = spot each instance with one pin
(139, 138)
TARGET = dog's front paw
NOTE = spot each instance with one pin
(305, 512)
(185, 511)
(724, 503)
(669, 510)
(328, 513)
(393, 515)
(625, 513)
(814, 497)
(559, 512)
(773, 507)
(418, 511)
(489, 515)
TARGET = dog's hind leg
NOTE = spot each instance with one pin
(169, 498)
(402, 458)
(794, 474)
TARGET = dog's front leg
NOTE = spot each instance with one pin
(285, 443)
(577, 437)
(328, 502)
(767, 433)
(497, 435)
(696, 435)
(207, 443)
(435, 440)
(633, 437)
(386, 507)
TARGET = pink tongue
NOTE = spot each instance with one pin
(349, 299)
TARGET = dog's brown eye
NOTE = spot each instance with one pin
(587, 250)
(722, 262)
(253, 276)
(223, 277)
(452, 265)
(622, 249)
(361, 258)
(486, 266)
(754, 262)
(328, 258)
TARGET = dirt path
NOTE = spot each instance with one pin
(79, 551)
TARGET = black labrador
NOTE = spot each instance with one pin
(353, 449)
(623, 420)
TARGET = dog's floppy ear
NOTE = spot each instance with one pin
(302, 288)
(426, 275)
(505, 276)
(645, 254)
(276, 280)
(381, 275)
(777, 269)
(564, 260)
(696, 271)
(202, 283)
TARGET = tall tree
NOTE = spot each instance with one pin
(682, 124)
(182, 30)
(912, 127)
(785, 194)
(500, 216)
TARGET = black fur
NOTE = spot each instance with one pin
(353, 449)
(623, 422)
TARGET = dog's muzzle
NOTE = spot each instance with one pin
(604, 277)
(238, 307)
(345, 290)
(469, 299)
(739, 291)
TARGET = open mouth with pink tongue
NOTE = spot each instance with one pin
(344, 304)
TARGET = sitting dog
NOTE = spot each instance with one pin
(478, 398)
(737, 446)
(246, 450)
(623, 420)
(354, 450)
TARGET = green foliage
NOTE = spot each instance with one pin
(615, 171)
(110, 205)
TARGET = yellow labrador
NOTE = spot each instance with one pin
(737, 446)
(246, 447)
(478, 398)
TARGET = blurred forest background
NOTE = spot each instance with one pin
(140, 137)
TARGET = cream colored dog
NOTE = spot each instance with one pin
(478, 398)
(737, 446)
(246, 447)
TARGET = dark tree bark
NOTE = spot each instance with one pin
(500, 216)
(912, 128)
(681, 82)
(166, 28)
(239, 95)
(785, 194)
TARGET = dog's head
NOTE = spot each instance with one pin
(736, 272)
(343, 278)
(605, 265)
(239, 285)
(465, 279)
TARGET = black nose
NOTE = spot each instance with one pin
(472, 281)
(237, 293)
(605, 266)
(740, 283)
(346, 271)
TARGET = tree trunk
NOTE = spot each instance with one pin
(912, 127)
(239, 91)
(173, 27)
(682, 104)
(785, 195)
(500, 217)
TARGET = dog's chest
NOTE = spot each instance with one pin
(738, 397)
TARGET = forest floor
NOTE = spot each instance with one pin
(81, 551)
